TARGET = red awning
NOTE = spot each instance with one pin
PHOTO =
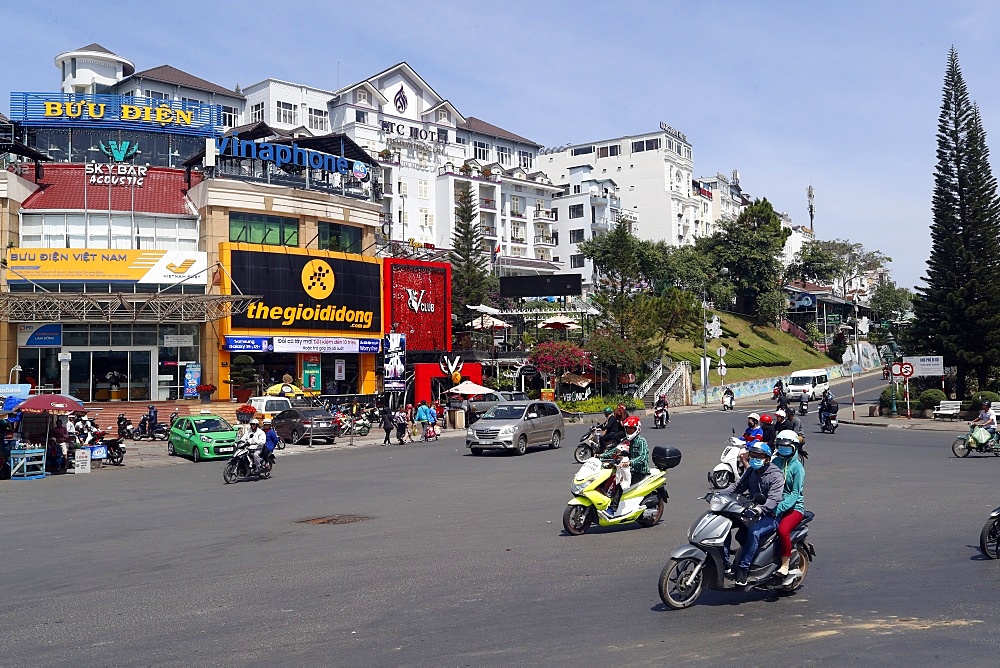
(65, 186)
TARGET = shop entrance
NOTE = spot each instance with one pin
(123, 374)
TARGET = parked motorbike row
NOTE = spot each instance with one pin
(60, 454)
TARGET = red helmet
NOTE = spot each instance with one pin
(766, 418)
(622, 407)
(633, 425)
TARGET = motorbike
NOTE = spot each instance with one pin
(728, 402)
(966, 443)
(360, 426)
(590, 446)
(641, 503)
(803, 404)
(829, 424)
(125, 429)
(116, 450)
(990, 536)
(730, 466)
(701, 563)
(660, 417)
(241, 465)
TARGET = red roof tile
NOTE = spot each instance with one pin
(63, 187)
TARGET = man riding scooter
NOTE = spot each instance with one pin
(661, 413)
(614, 431)
(828, 407)
(638, 459)
(764, 484)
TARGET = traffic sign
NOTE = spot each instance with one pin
(896, 368)
(907, 370)
(722, 370)
(722, 351)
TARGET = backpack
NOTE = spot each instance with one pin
(832, 406)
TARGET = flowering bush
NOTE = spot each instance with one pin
(246, 409)
(206, 387)
(558, 356)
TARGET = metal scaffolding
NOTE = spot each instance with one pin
(120, 307)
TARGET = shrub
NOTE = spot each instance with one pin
(597, 404)
(885, 399)
(979, 397)
(931, 398)
(742, 344)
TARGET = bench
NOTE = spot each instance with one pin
(947, 408)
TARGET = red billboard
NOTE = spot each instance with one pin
(417, 302)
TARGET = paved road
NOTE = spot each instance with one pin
(464, 562)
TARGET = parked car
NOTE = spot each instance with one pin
(203, 436)
(268, 407)
(295, 425)
(514, 396)
(517, 426)
(478, 403)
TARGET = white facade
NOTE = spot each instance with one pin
(91, 69)
(295, 108)
(727, 200)
(653, 176)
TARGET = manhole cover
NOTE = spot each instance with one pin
(336, 519)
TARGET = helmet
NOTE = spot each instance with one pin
(754, 416)
(632, 422)
(759, 447)
(780, 413)
(663, 395)
(623, 407)
(267, 421)
(786, 438)
(608, 410)
(987, 403)
(254, 421)
(766, 418)
(151, 407)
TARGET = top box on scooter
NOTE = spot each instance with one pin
(666, 457)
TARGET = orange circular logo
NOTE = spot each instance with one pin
(317, 279)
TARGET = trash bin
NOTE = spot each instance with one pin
(457, 418)
(873, 410)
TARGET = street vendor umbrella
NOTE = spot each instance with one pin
(284, 389)
(468, 387)
(488, 322)
(53, 404)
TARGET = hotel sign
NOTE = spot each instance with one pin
(115, 112)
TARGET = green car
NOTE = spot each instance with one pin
(202, 436)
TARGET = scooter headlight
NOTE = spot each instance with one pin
(578, 487)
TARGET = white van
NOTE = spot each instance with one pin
(812, 382)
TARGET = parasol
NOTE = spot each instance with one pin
(488, 322)
(52, 404)
(468, 387)
(559, 322)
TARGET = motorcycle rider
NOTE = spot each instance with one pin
(828, 407)
(793, 423)
(779, 388)
(767, 426)
(638, 457)
(728, 398)
(753, 431)
(256, 440)
(761, 481)
(791, 507)
(987, 419)
(662, 402)
(614, 429)
(270, 437)
(782, 401)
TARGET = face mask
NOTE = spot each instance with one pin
(785, 452)
(757, 463)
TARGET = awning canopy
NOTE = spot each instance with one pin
(574, 379)
(120, 307)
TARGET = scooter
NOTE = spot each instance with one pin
(728, 402)
(963, 445)
(241, 464)
(660, 417)
(803, 404)
(116, 450)
(730, 466)
(125, 429)
(702, 563)
(590, 446)
(989, 539)
(829, 424)
(641, 503)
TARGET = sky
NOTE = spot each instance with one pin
(843, 96)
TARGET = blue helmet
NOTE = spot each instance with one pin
(759, 447)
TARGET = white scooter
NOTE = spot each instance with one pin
(730, 467)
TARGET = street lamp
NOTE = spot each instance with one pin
(723, 272)
(890, 342)
(14, 369)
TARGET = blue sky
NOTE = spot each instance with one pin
(840, 95)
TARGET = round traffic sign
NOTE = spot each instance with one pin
(896, 369)
(907, 370)
(722, 370)
(722, 351)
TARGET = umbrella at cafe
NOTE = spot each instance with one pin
(51, 404)
(488, 322)
(574, 379)
(468, 387)
(559, 322)
(283, 390)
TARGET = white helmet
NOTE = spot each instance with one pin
(780, 412)
(786, 438)
(754, 416)
(254, 421)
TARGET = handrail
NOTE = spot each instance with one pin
(671, 379)
(648, 383)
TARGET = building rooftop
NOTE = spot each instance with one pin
(96, 47)
(66, 187)
(175, 77)
(473, 124)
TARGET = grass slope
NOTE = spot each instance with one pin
(751, 352)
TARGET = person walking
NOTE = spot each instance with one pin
(399, 419)
(423, 417)
(388, 422)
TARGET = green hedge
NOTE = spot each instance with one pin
(736, 359)
(931, 398)
(598, 404)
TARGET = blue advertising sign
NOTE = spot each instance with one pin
(249, 344)
(39, 336)
(20, 391)
(368, 345)
(192, 379)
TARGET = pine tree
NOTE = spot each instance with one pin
(958, 309)
(470, 266)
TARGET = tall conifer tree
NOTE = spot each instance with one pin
(470, 266)
(958, 309)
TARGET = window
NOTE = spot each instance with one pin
(156, 95)
(575, 236)
(286, 113)
(337, 237)
(461, 140)
(257, 113)
(426, 218)
(482, 150)
(442, 115)
(442, 135)
(361, 117)
(503, 155)
(609, 151)
(526, 159)
(361, 96)
(319, 119)
(576, 211)
(403, 217)
(230, 116)
(575, 261)
(422, 189)
(257, 228)
(403, 188)
(515, 206)
(647, 145)
(583, 150)
(191, 100)
(577, 189)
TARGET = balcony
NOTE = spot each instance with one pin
(517, 214)
(487, 203)
(518, 238)
(387, 188)
(488, 231)
(547, 241)
(546, 215)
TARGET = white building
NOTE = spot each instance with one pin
(726, 199)
(653, 176)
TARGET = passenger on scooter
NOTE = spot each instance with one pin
(767, 426)
(987, 419)
(761, 481)
(614, 430)
(753, 431)
(270, 437)
(638, 457)
(828, 406)
(792, 422)
(662, 402)
(256, 440)
(791, 507)
(782, 402)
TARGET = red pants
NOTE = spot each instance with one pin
(789, 521)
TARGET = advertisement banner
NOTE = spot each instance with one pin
(134, 266)
(248, 344)
(311, 375)
(927, 365)
(339, 369)
(18, 390)
(39, 336)
(314, 290)
(192, 379)
(323, 344)
(394, 371)
(418, 301)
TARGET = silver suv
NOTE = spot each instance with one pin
(517, 426)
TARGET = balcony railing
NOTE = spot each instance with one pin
(518, 240)
(544, 214)
(549, 241)
(488, 231)
(487, 203)
(387, 188)
(517, 214)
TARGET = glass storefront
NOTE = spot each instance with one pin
(80, 145)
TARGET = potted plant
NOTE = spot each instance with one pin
(205, 391)
(465, 169)
(385, 154)
(245, 413)
(242, 377)
(487, 173)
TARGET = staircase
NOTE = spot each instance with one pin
(647, 391)
(105, 413)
